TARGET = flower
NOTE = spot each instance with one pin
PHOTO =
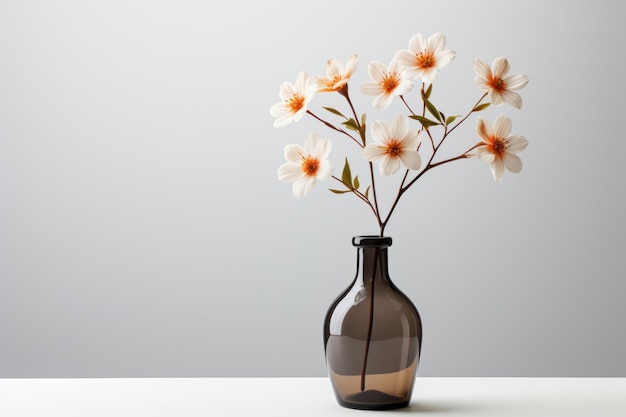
(394, 145)
(498, 148)
(498, 85)
(386, 83)
(306, 165)
(337, 76)
(425, 57)
(413, 144)
(295, 100)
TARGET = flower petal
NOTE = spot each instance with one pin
(429, 75)
(496, 98)
(512, 162)
(302, 80)
(483, 129)
(410, 141)
(381, 131)
(445, 57)
(399, 127)
(418, 43)
(322, 148)
(437, 42)
(482, 69)
(294, 154)
(303, 185)
(517, 143)
(411, 159)
(389, 165)
(370, 88)
(515, 82)
(334, 68)
(404, 87)
(512, 98)
(289, 172)
(373, 152)
(405, 58)
(500, 67)
(497, 169)
(286, 91)
(502, 126)
(325, 170)
(376, 70)
(485, 155)
(351, 65)
(383, 101)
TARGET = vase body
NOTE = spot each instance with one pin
(372, 335)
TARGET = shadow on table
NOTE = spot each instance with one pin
(434, 407)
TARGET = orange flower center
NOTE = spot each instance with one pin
(497, 84)
(425, 60)
(295, 103)
(389, 83)
(393, 148)
(310, 165)
(498, 146)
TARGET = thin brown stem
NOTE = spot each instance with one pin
(407, 105)
(374, 196)
(330, 125)
(344, 93)
(403, 188)
(370, 325)
(375, 208)
(360, 195)
(467, 115)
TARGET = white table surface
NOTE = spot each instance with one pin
(302, 397)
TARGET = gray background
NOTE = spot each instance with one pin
(143, 231)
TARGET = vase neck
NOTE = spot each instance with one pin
(372, 262)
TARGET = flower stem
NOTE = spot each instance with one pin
(370, 324)
(466, 116)
(330, 125)
(371, 166)
(359, 195)
(430, 165)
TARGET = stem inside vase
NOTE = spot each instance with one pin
(370, 321)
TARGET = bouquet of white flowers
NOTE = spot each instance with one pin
(397, 147)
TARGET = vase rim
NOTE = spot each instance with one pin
(371, 241)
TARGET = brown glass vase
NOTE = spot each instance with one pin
(372, 335)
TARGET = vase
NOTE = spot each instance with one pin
(372, 335)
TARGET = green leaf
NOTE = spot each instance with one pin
(481, 107)
(351, 124)
(356, 182)
(367, 192)
(346, 175)
(339, 191)
(426, 95)
(433, 110)
(424, 121)
(451, 119)
(363, 124)
(337, 112)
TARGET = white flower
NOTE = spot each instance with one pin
(394, 145)
(499, 148)
(425, 57)
(295, 100)
(386, 83)
(337, 76)
(306, 165)
(497, 83)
